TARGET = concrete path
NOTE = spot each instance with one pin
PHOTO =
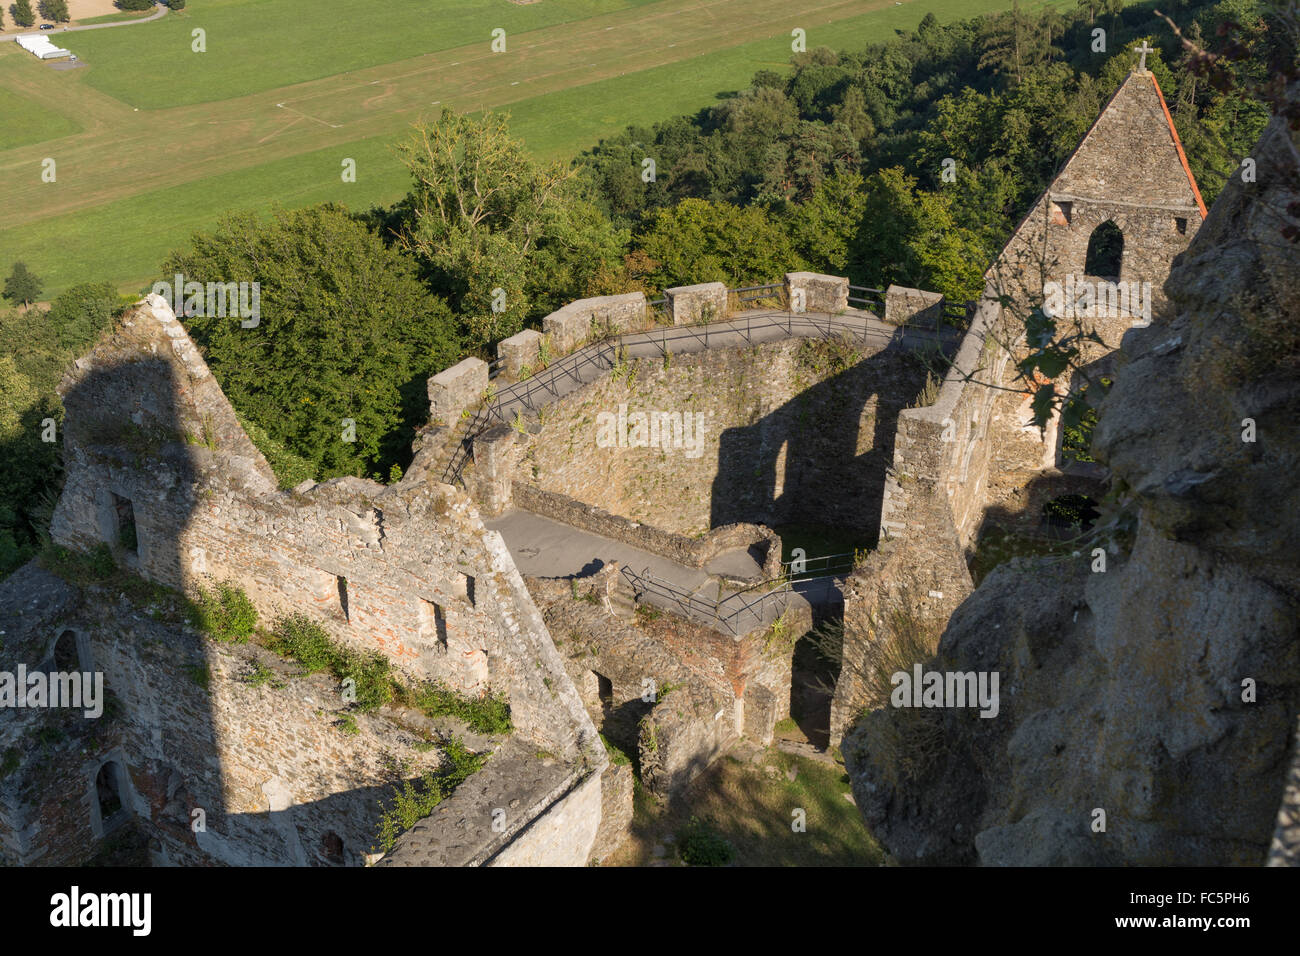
(543, 547)
(158, 14)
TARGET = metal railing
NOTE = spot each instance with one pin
(740, 611)
(565, 374)
(758, 293)
(828, 565)
(873, 300)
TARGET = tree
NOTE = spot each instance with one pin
(822, 228)
(78, 316)
(909, 236)
(346, 332)
(701, 241)
(22, 285)
(21, 11)
(477, 211)
(1007, 42)
(135, 4)
(176, 4)
(56, 10)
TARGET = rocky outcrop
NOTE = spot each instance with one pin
(1147, 710)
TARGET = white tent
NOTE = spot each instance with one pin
(41, 47)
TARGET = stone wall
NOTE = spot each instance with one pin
(159, 469)
(267, 764)
(525, 808)
(666, 690)
(586, 319)
(975, 458)
(455, 389)
(1162, 690)
(932, 506)
(789, 432)
(1146, 195)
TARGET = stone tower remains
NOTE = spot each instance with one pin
(1129, 179)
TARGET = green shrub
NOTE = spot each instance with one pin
(302, 639)
(299, 637)
(699, 844)
(372, 676)
(489, 714)
(416, 799)
(224, 613)
(347, 725)
(261, 674)
(78, 568)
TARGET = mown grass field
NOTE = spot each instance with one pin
(134, 183)
(23, 121)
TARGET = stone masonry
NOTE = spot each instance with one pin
(407, 571)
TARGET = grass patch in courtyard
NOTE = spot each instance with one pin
(997, 546)
(749, 807)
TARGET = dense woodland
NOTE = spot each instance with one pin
(836, 166)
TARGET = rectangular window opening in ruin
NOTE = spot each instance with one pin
(464, 585)
(127, 535)
(433, 623)
(342, 584)
(605, 691)
(1066, 210)
(1180, 225)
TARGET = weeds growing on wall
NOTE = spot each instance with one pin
(929, 392)
(911, 739)
(416, 799)
(76, 567)
(827, 357)
(224, 613)
(302, 639)
(617, 757)
(489, 714)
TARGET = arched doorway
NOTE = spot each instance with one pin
(331, 846)
(1105, 251)
(67, 658)
(108, 793)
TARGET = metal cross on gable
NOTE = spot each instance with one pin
(1144, 50)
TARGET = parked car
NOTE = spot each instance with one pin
(47, 26)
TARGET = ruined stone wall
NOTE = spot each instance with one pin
(1128, 169)
(1129, 689)
(708, 688)
(787, 438)
(407, 571)
(933, 504)
(153, 448)
(267, 764)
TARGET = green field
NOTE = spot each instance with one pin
(255, 45)
(23, 121)
(135, 183)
